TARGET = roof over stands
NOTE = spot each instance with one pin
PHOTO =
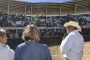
(44, 8)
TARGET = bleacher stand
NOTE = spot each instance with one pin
(18, 20)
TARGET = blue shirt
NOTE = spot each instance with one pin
(6, 53)
(31, 50)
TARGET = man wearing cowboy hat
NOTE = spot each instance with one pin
(72, 45)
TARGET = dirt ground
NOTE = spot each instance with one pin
(56, 55)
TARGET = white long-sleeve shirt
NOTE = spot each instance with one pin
(72, 46)
(6, 53)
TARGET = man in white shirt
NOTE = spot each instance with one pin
(5, 52)
(73, 44)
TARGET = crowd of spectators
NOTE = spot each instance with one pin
(16, 34)
(18, 20)
(46, 34)
(12, 20)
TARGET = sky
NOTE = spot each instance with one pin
(60, 1)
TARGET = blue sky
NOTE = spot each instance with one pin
(45, 0)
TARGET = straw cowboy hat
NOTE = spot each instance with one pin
(74, 24)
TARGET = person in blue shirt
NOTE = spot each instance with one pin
(31, 49)
(6, 53)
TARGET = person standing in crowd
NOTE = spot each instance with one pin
(73, 44)
(5, 52)
(31, 49)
